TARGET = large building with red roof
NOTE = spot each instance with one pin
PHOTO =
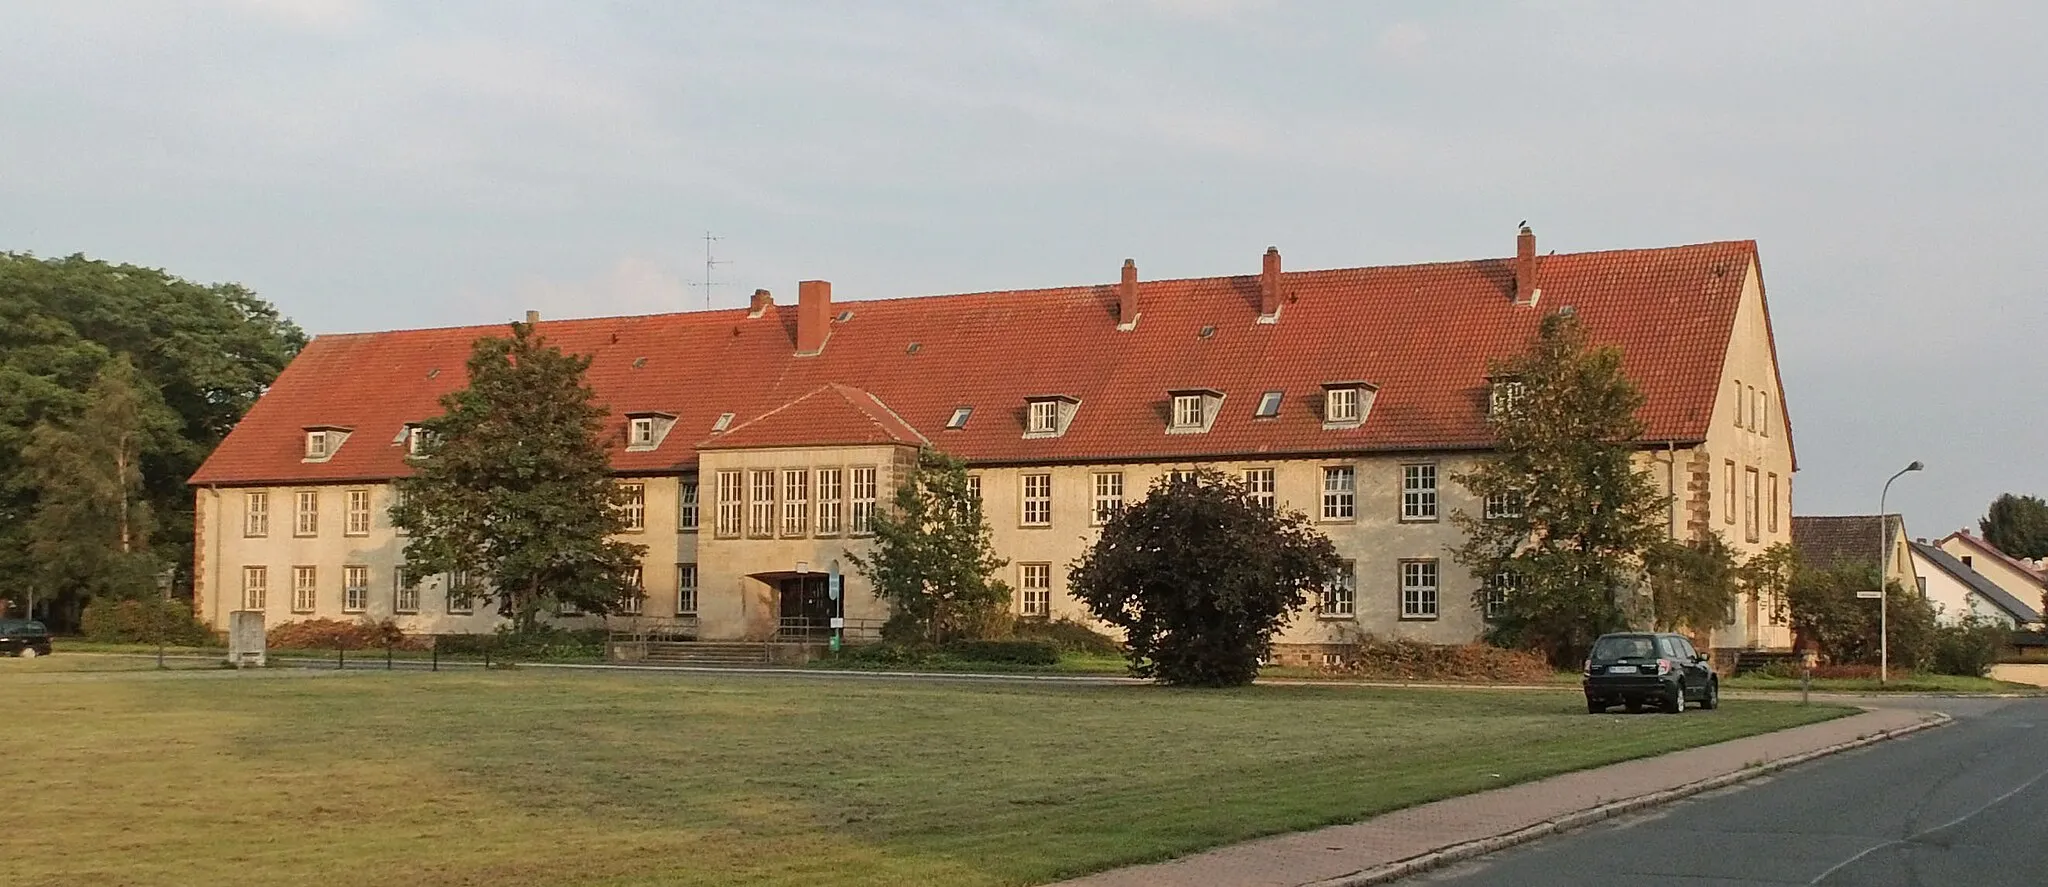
(761, 439)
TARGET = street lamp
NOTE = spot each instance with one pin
(1884, 553)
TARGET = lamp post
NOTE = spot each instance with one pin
(1884, 553)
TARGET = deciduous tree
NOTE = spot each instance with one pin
(2017, 525)
(1580, 519)
(1692, 584)
(932, 559)
(513, 492)
(1200, 576)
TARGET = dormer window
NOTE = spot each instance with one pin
(959, 418)
(1194, 410)
(645, 430)
(1345, 404)
(1505, 396)
(1269, 405)
(1049, 415)
(323, 441)
(724, 422)
(416, 438)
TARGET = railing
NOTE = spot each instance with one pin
(805, 630)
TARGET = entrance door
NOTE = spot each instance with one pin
(806, 609)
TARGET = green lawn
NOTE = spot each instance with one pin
(1900, 683)
(531, 777)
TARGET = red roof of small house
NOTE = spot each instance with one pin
(1423, 334)
(832, 415)
(1985, 546)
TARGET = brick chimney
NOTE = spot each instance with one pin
(1269, 284)
(1127, 297)
(813, 315)
(763, 301)
(1526, 290)
(532, 317)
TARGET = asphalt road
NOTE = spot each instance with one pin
(1963, 805)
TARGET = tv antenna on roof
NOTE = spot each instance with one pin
(709, 264)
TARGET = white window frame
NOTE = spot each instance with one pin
(1188, 411)
(1109, 498)
(636, 593)
(1418, 492)
(974, 487)
(686, 589)
(732, 505)
(255, 588)
(1340, 406)
(1340, 593)
(305, 589)
(1261, 484)
(959, 418)
(796, 501)
(318, 445)
(1419, 589)
(306, 514)
(355, 588)
(831, 501)
(1497, 591)
(1340, 492)
(1034, 584)
(256, 514)
(761, 514)
(356, 513)
(1505, 396)
(640, 433)
(1035, 503)
(405, 596)
(415, 439)
(1044, 418)
(863, 484)
(1499, 506)
(635, 507)
(458, 602)
(1269, 405)
(687, 508)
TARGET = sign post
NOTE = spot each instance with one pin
(838, 604)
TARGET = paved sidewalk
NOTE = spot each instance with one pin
(1406, 841)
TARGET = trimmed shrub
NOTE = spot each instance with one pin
(885, 655)
(1408, 660)
(332, 634)
(542, 644)
(1070, 636)
(1015, 651)
(1968, 649)
(143, 621)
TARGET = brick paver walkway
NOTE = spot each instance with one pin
(1343, 853)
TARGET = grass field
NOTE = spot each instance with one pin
(530, 777)
(1900, 683)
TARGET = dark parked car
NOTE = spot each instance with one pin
(23, 637)
(1639, 669)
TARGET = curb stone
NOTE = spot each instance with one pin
(1482, 846)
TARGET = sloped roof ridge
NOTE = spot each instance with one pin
(865, 403)
(1977, 582)
(1985, 545)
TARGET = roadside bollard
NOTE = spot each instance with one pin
(1805, 684)
(437, 656)
(387, 657)
(340, 657)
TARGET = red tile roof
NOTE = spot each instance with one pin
(832, 415)
(1422, 333)
(1986, 547)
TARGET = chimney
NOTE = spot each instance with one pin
(762, 302)
(532, 317)
(1269, 284)
(1526, 291)
(1127, 297)
(813, 315)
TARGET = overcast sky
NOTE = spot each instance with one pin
(369, 165)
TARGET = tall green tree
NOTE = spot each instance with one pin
(1581, 520)
(90, 533)
(2017, 525)
(203, 353)
(513, 492)
(1693, 584)
(1827, 612)
(932, 558)
(1200, 576)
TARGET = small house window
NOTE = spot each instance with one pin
(316, 445)
(1269, 405)
(1049, 415)
(959, 418)
(642, 433)
(1340, 493)
(415, 439)
(724, 422)
(1037, 501)
(1505, 582)
(633, 506)
(686, 589)
(1045, 417)
(1187, 411)
(1109, 497)
(1258, 483)
(1506, 396)
(1341, 405)
(1418, 589)
(1503, 505)
(1035, 580)
(1340, 593)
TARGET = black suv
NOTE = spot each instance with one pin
(1637, 669)
(23, 637)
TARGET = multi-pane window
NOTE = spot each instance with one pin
(308, 522)
(1187, 411)
(1258, 482)
(640, 433)
(1751, 492)
(1269, 405)
(1035, 581)
(1505, 582)
(317, 445)
(1506, 396)
(1109, 497)
(732, 503)
(460, 601)
(1418, 589)
(405, 596)
(686, 589)
(356, 521)
(796, 501)
(1037, 500)
(256, 513)
(761, 503)
(1502, 505)
(255, 587)
(305, 589)
(1728, 491)
(355, 589)
(1045, 417)
(1340, 593)
(1418, 492)
(831, 500)
(861, 513)
(1340, 492)
(415, 439)
(686, 507)
(635, 592)
(1774, 502)
(974, 487)
(1340, 405)
(634, 499)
